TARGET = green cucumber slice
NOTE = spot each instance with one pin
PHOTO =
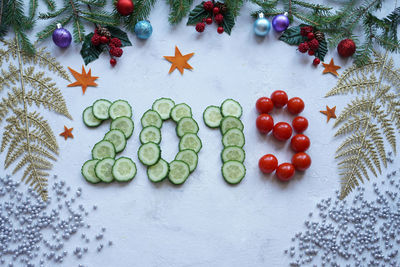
(233, 137)
(186, 125)
(100, 109)
(231, 107)
(233, 153)
(189, 157)
(230, 122)
(178, 172)
(158, 172)
(124, 124)
(151, 118)
(88, 171)
(180, 111)
(212, 116)
(163, 107)
(103, 149)
(150, 134)
(89, 119)
(233, 171)
(190, 141)
(120, 108)
(149, 153)
(117, 138)
(124, 169)
(103, 170)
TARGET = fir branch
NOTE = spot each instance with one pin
(178, 10)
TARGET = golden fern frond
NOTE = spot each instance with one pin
(8, 77)
(355, 107)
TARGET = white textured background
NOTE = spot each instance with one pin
(205, 222)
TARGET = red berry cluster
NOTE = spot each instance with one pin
(311, 45)
(102, 37)
(282, 131)
(214, 11)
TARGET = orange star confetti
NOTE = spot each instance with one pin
(83, 79)
(330, 113)
(331, 68)
(67, 133)
(178, 61)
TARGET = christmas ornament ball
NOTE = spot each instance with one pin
(280, 22)
(346, 48)
(143, 29)
(61, 37)
(261, 26)
(125, 7)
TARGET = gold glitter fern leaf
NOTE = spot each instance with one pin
(370, 120)
(27, 137)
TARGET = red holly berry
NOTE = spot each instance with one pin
(216, 10)
(208, 6)
(305, 30)
(313, 44)
(104, 40)
(208, 20)
(116, 52)
(219, 19)
(115, 42)
(311, 52)
(95, 39)
(113, 62)
(203, 20)
(220, 30)
(316, 61)
(200, 27)
(303, 47)
(310, 36)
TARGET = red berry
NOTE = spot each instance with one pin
(300, 124)
(208, 20)
(316, 61)
(208, 5)
(311, 52)
(219, 18)
(303, 47)
(285, 172)
(282, 131)
(216, 10)
(295, 105)
(116, 51)
(313, 44)
(113, 62)
(264, 123)
(200, 27)
(268, 163)
(264, 105)
(300, 143)
(115, 42)
(95, 39)
(220, 30)
(301, 161)
(203, 20)
(279, 98)
(104, 39)
(305, 30)
(310, 36)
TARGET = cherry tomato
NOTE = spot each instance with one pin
(264, 123)
(279, 98)
(268, 163)
(300, 124)
(301, 161)
(282, 131)
(300, 143)
(264, 105)
(285, 172)
(295, 105)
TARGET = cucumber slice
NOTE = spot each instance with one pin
(103, 170)
(163, 107)
(189, 157)
(233, 137)
(178, 172)
(180, 111)
(149, 153)
(88, 171)
(89, 119)
(190, 141)
(233, 153)
(103, 149)
(117, 138)
(230, 122)
(212, 116)
(151, 118)
(187, 125)
(231, 107)
(123, 124)
(124, 169)
(100, 109)
(150, 134)
(120, 108)
(233, 171)
(158, 172)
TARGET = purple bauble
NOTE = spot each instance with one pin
(61, 37)
(280, 22)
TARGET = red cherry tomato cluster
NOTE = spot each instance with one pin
(282, 131)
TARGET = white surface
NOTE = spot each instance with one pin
(205, 222)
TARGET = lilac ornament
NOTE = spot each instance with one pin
(280, 22)
(61, 37)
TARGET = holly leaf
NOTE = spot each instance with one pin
(292, 35)
(120, 34)
(322, 50)
(197, 14)
(89, 52)
(228, 22)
